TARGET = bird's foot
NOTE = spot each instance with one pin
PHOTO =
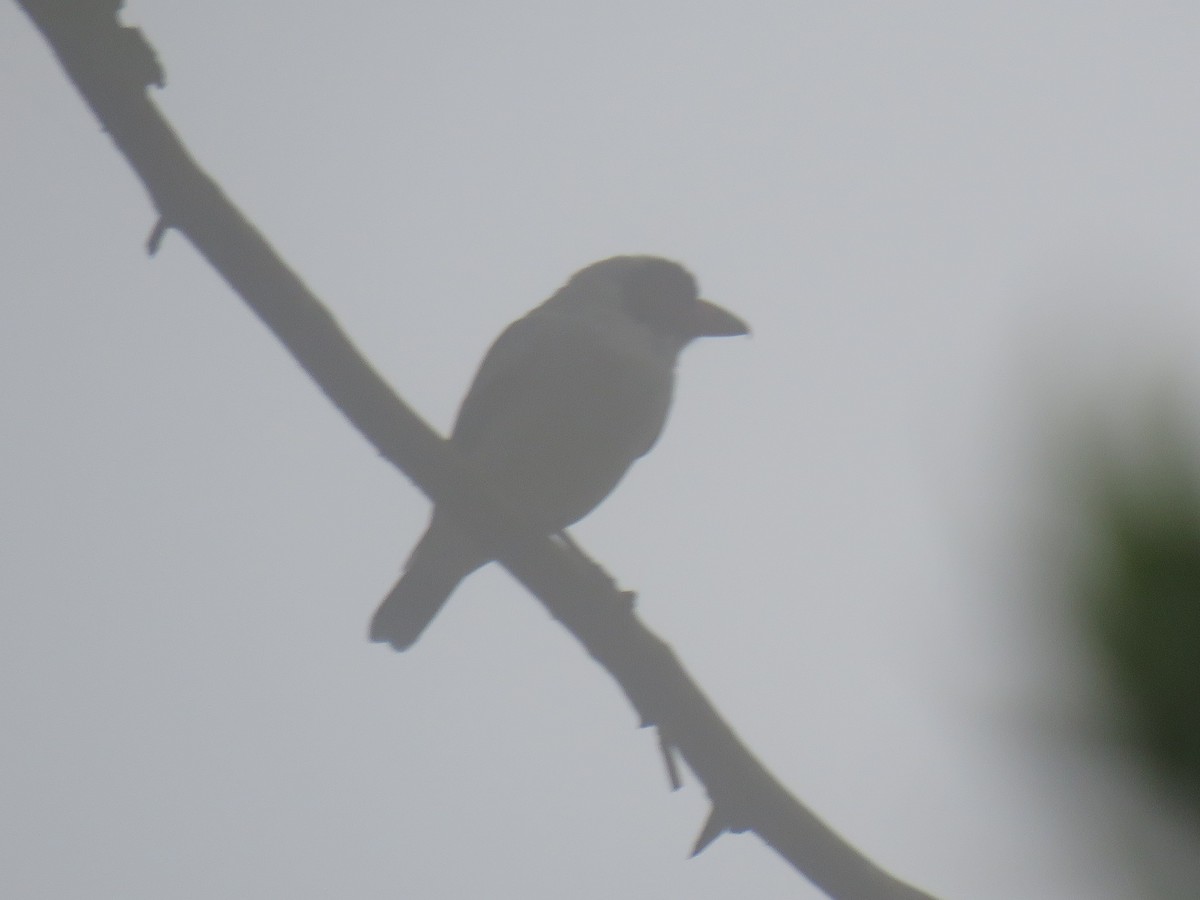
(629, 598)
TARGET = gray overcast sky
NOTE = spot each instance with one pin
(927, 211)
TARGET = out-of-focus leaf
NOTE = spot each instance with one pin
(1142, 600)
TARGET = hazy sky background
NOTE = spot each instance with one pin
(948, 223)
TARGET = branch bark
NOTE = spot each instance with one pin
(112, 66)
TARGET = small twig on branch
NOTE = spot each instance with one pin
(667, 749)
(111, 66)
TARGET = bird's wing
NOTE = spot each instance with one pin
(508, 370)
(558, 412)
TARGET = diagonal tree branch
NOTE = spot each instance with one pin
(111, 66)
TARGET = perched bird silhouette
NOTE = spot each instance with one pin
(565, 400)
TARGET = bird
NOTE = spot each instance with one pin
(564, 402)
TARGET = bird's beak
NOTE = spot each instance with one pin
(711, 320)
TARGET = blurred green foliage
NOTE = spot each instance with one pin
(1142, 599)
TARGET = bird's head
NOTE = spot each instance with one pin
(652, 294)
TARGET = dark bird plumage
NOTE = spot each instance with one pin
(565, 400)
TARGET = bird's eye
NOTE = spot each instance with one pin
(664, 297)
(662, 312)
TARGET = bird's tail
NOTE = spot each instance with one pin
(442, 559)
(410, 606)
